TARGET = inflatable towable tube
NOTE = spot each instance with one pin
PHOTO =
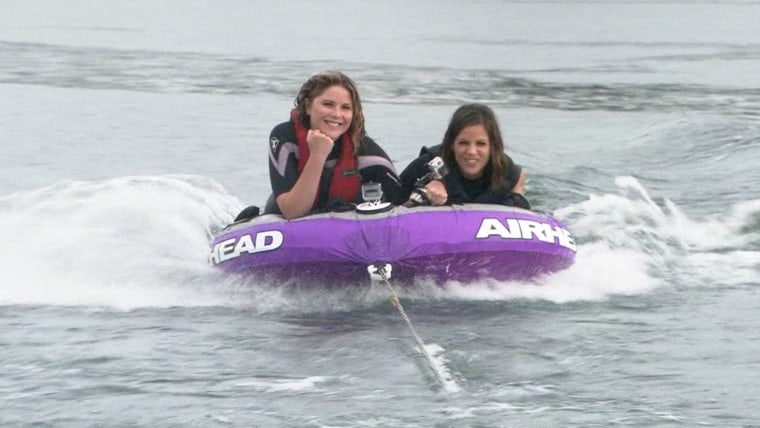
(459, 242)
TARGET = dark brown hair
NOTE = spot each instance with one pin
(477, 114)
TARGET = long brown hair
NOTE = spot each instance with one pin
(316, 85)
(477, 114)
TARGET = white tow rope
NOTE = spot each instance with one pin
(381, 272)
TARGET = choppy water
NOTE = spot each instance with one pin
(131, 131)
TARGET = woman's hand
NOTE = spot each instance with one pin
(436, 192)
(320, 144)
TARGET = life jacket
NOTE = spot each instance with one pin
(345, 183)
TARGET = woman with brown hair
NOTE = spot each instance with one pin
(321, 156)
(478, 170)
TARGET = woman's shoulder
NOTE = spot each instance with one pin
(430, 151)
(281, 133)
(283, 128)
(417, 167)
(369, 147)
(427, 153)
(512, 171)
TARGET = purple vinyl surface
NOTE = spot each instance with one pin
(462, 242)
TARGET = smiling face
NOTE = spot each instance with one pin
(331, 112)
(472, 151)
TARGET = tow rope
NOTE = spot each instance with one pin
(381, 271)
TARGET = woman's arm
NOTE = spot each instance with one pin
(375, 165)
(299, 200)
(411, 174)
(436, 192)
(520, 186)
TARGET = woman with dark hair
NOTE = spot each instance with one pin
(321, 156)
(472, 152)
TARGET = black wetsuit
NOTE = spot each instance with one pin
(372, 163)
(461, 190)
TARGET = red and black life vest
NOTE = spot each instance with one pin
(345, 183)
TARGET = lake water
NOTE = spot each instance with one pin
(130, 131)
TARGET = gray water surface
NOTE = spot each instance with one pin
(130, 132)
